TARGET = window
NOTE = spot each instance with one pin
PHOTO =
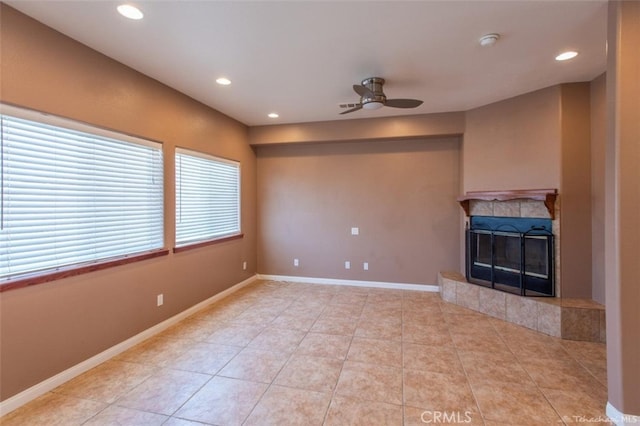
(207, 197)
(74, 195)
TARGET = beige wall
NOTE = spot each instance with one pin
(364, 129)
(50, 327)
(401, 194)
(534, 141)
(598, 142)
(622, 217)
(575, 190)
(514, 144)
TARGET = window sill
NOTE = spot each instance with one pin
(207, 243)
(57, 274)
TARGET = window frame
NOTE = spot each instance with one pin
(194, 244)
(28, 278)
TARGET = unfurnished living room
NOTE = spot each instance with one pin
(319, 212)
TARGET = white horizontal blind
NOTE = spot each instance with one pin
(207, 197)
(70, 197)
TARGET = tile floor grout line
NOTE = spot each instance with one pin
(334, 392)
(466, 375)
(275, 376)
(404, 419)
(517, 360)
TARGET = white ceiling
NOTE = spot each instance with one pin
(300, 58)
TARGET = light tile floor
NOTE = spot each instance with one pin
(303, 354)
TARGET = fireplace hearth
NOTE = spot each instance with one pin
(512, 254)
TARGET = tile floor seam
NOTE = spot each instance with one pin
(255, 405)
(275, 376)
(115, 403)
(468, 381)
(530, 376)
(87, 420)
(191, 397)
(334, 392)
(576, 359)
(402, 342)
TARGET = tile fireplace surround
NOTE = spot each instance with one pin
(573, 319)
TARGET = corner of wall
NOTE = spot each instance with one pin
(575, 189)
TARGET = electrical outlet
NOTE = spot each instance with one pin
(347, 265)
(365, 266)
(160, 299)
(355, 231)
(244, 266)
(296, 262)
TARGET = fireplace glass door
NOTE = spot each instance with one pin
(518, 260)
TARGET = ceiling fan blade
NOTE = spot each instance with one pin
(403, 103)
(362, 91)
(352, 109)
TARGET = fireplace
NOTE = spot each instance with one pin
(512, 254)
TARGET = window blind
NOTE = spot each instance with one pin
(207, 197)
(73, 197)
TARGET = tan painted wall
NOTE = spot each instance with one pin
(622, 214)
(575, 191)
(50, 327)
(533, 141)
(598, 142)
(401, 194)
(411, 126)
(514, 144)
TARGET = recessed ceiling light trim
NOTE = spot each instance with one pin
(223, 81)
(564, 56)
(130, 11)
(489, 39)
(273, 115)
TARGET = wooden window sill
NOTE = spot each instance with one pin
(200, 244)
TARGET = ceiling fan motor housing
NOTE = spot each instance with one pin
(374, 84)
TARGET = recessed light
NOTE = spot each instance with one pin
(129, 11)
(223, 81)
(273, 115)
(570, 54)
(489, 39)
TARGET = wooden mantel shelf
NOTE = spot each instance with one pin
(548, 196)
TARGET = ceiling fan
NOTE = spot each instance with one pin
(372, 97)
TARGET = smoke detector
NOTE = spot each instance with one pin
(489, 39)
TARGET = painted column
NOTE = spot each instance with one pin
(622, 212)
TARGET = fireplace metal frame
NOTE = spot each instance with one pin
(502, 278)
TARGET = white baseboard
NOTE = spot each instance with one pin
(45, 386)
(332, 281)
(621, 419)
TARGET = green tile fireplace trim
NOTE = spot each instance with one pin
(571, 319)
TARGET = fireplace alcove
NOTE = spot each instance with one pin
(568, 318)
(510, 241)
